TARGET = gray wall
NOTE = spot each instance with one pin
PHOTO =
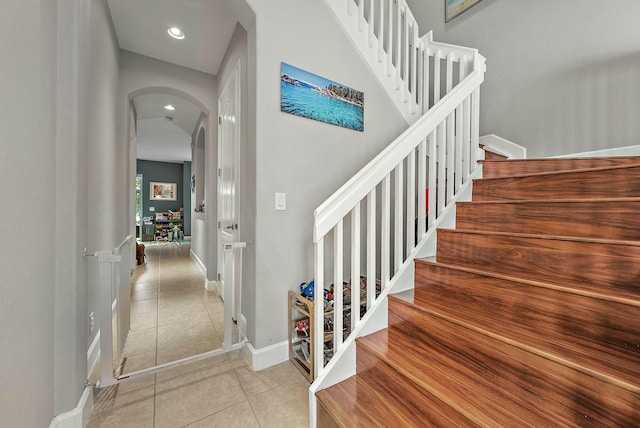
(164, 172)
(562, 76)
(27, 161)
(306, 159)
(186, 197)
(108, 212)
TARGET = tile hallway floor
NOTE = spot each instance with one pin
(173, 317)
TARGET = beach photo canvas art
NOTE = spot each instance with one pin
(454, 8)
(309, 95)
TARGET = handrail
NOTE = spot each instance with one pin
(342, 201)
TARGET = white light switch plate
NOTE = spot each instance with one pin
(281, 201)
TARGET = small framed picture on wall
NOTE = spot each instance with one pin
(163, 191)
(453, 8)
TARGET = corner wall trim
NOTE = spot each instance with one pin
(268, 356)
(78, 417)
(503, 146)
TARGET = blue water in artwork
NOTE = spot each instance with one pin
(304, 101)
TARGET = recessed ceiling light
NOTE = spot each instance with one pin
(176, 33)
(169, 107)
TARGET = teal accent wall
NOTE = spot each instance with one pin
(163, 172)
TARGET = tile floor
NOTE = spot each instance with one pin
(173, 317)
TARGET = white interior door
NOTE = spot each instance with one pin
(228, 165)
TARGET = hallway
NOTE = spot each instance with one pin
(173, 317)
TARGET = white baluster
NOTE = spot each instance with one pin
(398, 250)
(449, 72)
(425, 80)
(338, 277)
(317, 324)
(442, 168)
(415, 69)
(475, 127)
(436, 76)
(371, 247)
(390, 39)
(422, 187)
(432, 176)
(398, 47)
(466, 141)
(371, 21)
(451, 144)
(355, 265)
(360, 15)
(407, 54)
(385, 232)
(411, 201)
(381, 30)
(459, 145)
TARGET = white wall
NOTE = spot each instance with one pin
(139, 74)
(306, 159)
(561, 75)
(27, 168)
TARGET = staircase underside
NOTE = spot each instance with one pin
(529, 317)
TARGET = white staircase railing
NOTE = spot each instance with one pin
(376, 224)
(387, 35)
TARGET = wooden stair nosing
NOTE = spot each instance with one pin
(563, 172)
(492, 379)
(611, 354)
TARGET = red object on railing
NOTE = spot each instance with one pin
(426, 200)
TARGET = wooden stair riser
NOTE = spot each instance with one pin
(501, 168)
(611, 267)
(560, 324)
(603, 219)
(618, 182)
(494, 383)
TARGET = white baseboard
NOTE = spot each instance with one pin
(198, 263)
(268, 356)
(78, 417)
(618, 151)
(93, 354)
(504, 147)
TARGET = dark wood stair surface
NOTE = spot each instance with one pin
(517, 311)
(492, 168)
(597, 218)
(577, 262)
(528, 316)
(593, 183)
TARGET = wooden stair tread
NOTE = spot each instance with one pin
(519, 311)
(576, 262)
(507, 167)
(380, 397)
(491, 382)
(615, 182)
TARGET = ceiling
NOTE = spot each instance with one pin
(141, 27)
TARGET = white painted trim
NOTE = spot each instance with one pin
(242, 326)
(618, 151)
(198, 263)
(503, 147)
(93, 353)
(260, 359)
(78, 417)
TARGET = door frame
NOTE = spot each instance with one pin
(231, 297)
